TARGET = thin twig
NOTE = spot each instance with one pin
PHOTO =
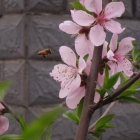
(117, 93)
(9, 110)
(104, 114)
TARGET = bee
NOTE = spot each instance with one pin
(45, 52)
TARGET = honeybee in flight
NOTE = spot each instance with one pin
(45, 52)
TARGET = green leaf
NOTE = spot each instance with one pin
(96, 134)
(23, 123)
(112, 81)
(130, 99)
(108, 125)
(136, 55)
(4, 86)
(37, 127)
(78, 6)
(102, 121)
(135, 44)
(106, 78)
(135, 85)
(86, 57)
(71, 115)
(10, 137)
(80, 108)
(99, 86)
(129, 92)
(123, 77)
(49, 135)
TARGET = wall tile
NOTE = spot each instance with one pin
(11, 37)
(43, 89)
(44, 33)
(53, 6)
(13, 6)
(14, 72)
(137, 9)
(126, 125)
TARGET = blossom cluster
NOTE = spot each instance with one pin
(90, 27)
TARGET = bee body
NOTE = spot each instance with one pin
(45, 52)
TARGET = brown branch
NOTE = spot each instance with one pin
(8, 110)
(117, 93)
(82, 130)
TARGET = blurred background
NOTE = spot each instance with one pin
(28, 26)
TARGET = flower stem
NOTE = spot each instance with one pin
(9, 110)
(86, 115)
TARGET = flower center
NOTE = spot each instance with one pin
(101, 19)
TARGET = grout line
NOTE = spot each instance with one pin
(26, 84)
(133, 7)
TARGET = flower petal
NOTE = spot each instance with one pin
(125, 45)
(96, 97)
(82, 45)
(4, 124)
(110, 55)
(82, 18)
(67, 90)
(81, 65)
(126, 67)
(113, 42)
(68, 56)
(1, 106)
(97, 35)
(73, 100)
(114, 27)
(114, 9)
(58, 72)
(82, 2)
(70, 27)
(114, 68)
(94, 5)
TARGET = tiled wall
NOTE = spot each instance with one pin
(27, 26)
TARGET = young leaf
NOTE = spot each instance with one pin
(123, 77)
(101, 122)
(108, 125)
(129, 92)
(135, 44)
(37, 127)
(136, 55)
(86, 57)
(71, 115)
(99, 86)
(4, 86)
(135, 85)
(112, 80)
(130, 99)
(23, 123)
(78, 6)
(106, 78)
(49, 135)
(96, 134)
(80, 108)
(10, 137)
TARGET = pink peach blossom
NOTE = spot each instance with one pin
(102, 21)
(118, 55)
(82, 2)
(82, 43)
(4, 122)
(69, 77)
